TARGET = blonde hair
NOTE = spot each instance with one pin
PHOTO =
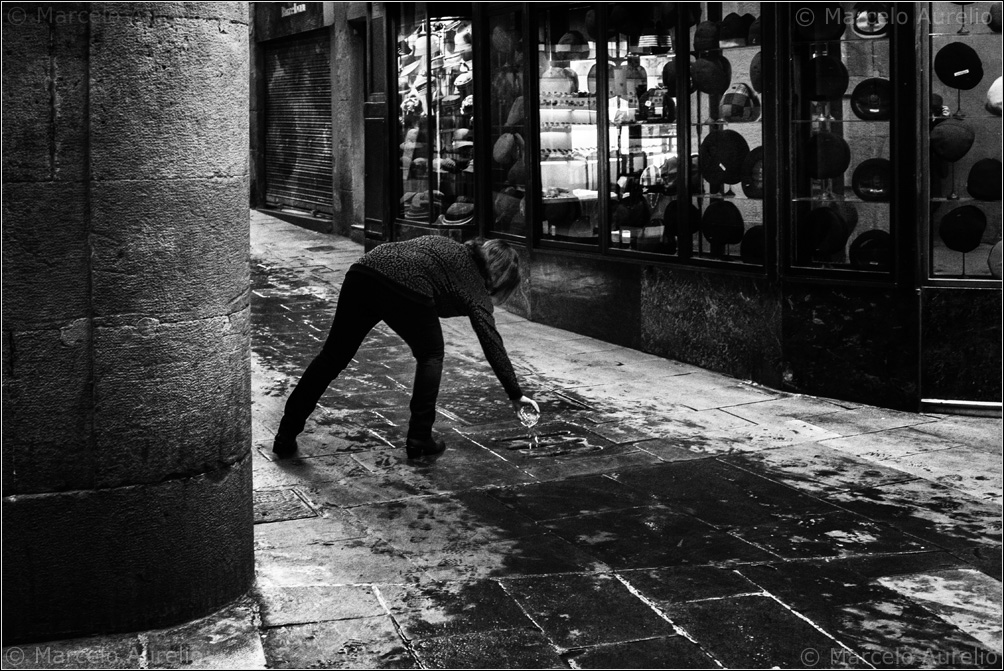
(499, 264)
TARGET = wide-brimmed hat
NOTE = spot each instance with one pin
(825, 78)
(827, 155)
(871, 250)
(959, 66)
(872, 180)
(756, 72)
(722, 223)
(871, 99)
(871, 20)
(962, 229)
(739, 104)
(722, 155)
(706, 37)
(712, 74)
(952, 139)
(459, 214)
(751, 174)
(818, 21)
(985, 178)
(754, 242)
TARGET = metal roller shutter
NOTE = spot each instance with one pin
(298, 153)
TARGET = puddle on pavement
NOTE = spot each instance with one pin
(547, 443)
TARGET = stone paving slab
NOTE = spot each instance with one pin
(371, 643)
(504, 649)
(666, 652)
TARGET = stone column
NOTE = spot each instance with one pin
(126, 374)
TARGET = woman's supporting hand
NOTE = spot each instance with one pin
(525, 399)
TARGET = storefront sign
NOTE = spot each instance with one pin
(281, 19)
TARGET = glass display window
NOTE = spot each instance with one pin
(725, 217)
(436, 94)
(507, 111)
(964, 140)
(841, 129)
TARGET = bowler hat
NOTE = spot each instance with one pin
(706, 37)
(721, 156)
(818, 21)
(827, 155)
(962, 229)
(872, 99)
(756, 72)
(958, 66)
(872, 180)
(712, 74)
(751, 249)
(722, 223)
(669, 78)
(952, 139)
(985, 179)
(827, 78)
(733, 32)
(755, 34)
(739, 104)
(871, 20)
(871, 250)
(752, 174)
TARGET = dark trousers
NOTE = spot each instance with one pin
(362, 303)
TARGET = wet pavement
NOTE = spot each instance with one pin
(659, 516)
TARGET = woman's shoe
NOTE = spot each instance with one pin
(425, 448)
(284, 446)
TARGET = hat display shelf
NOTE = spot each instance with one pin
(963, 142)
(726, 133)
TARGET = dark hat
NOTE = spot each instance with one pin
(827, 155)
(871, 250)
(756, 72)
(692, 12)
(671, 168)
(517, 173)
(752, 174)
(826, 77)
(872, 180)
(515, 113)
(669, 78)
(958, 66)
(722, 155)
(952, 139)
(739, 104)
(623, 18)
(706, 38)
(506, 150)
(419, 167)
(823, 231)
(747, 20)
(962, 229)
(722, 223)
(872, 99)
(571, 47)
(670, 219)
(755, 34)
(818, 21)
(985, 179)
(419, 208)
(871, 20)
(751, 249)
(733, 32)
(712, 74)
(459, 214)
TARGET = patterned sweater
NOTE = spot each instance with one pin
(438, 271)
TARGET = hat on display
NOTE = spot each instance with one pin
(871, 250)
(517, 174)
(995, 97)
(872, 180)
(952, 139)
(419, 167)
(515, 113)
(995, 25)
(739, 104)
(747, 21)
(670, 219)
(985, 178)
(706, 38)
(733, 32)
(571, 47)
(871, 99)
(411, 106)
(958, 66)
(669, 171)
(655, 40)
(751, 174)
(827, 78)
(669, 78)
(962, 229)
(451, 104)
(824, 231)
(467, 107)
(818, 21)
(871, 20)
(722, 223)
(419, 209)
(755, 33)
(827, 155)
(722, 155)
(506, 205)
(754, 242)
(464, 79)
(459, 214)
(712, 74)
(756, 72)
(506, 151)
(623, 19)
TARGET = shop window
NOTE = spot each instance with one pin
(510, 160)
(842, 132)
(964, 139)
(436, 95)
